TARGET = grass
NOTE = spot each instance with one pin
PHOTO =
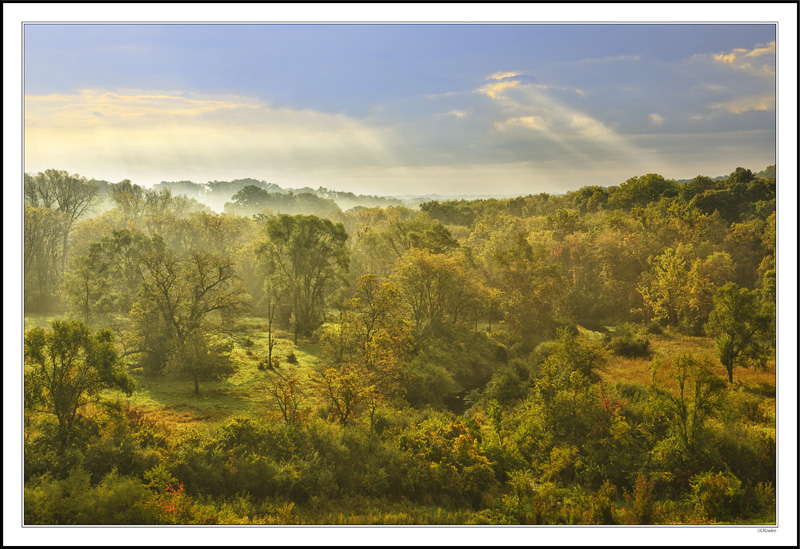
(174, 403)
(42, 320)
(758, 384)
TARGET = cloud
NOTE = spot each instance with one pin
(656, 119)
(536, 123)
(756, 52)
(502, 75)
(509, 80)
(175, 134)
(539, 122)
(129, 108)
(457, 114)
(494, 90)
(740, 58)
(741, 105)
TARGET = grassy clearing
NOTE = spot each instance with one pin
(174, 403)
(754, 387)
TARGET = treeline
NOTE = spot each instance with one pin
(456, 368)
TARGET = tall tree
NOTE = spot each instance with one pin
(533, 289)
(305, 256)
(194, 295)
(366, 349)
(43, 241)
(72, 195)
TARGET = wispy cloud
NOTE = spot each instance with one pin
(170, 133)
(743, 59)
(502, 75)
(495, 89)
(536, 123)
(501, 81)
(741, 105)
(656, 119)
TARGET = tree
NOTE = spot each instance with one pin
(84, 285)
(304, 256)
(532, 288)
(129, 198)
(72, 195)
(65, 367)
(346, 390)
(287, 395)
(366, 349)
(664, 291)
(697, 399)
(194, 296)
(739, 325)
(438, 288)
(43, 240)
(705, 276)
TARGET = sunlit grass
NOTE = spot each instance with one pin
(753, 383)
(174, 403)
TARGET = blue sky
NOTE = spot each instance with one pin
(400, 109)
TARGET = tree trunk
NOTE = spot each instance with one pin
(296, 320)
(196, 386)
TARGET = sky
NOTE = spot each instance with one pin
(400, 109)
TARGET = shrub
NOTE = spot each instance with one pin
(290, 358)
(640, 504)
(719, 496)
(74, 501)
(625, 342)
(601, 505)
(445, 462)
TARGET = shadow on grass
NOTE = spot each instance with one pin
(764, 390)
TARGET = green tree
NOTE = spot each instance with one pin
(533, 289)
(66, 367)
(438, 288)
(43, 241)
(84, 285)
(195, 296)
(370, 342)
(287, 396)
(305, 256)
(72, 195)
(697, 398)
(739, 326)
(664, 290)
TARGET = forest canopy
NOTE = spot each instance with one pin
(238, 353)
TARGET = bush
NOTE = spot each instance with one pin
(640, 505)
(74, 501)
(601, 505)
(445, 463)
(654, 328)
(505, 386)
(290, 358)
(625, 342)
(719, 496)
